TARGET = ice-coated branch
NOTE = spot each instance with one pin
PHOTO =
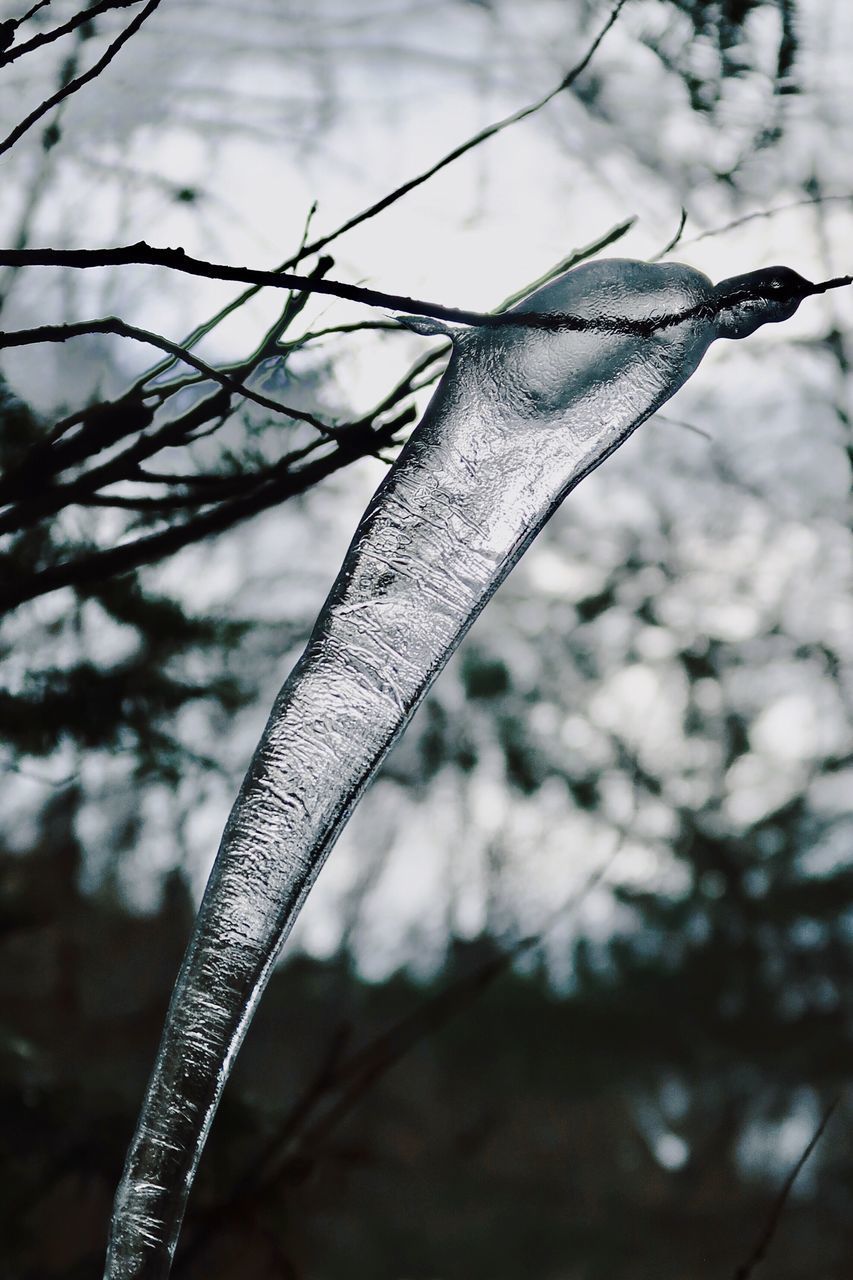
(523, 413)
(549, 314)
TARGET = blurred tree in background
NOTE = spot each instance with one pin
(650, 724)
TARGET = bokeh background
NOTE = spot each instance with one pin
(573, 992)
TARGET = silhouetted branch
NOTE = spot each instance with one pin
(81, 80)
(94, 566)
(760, 215)
(112, 324)
(40, 4)
(84, 15)
(177, 259)
(31, 507)
(357, 326)
(305, 249)
(490, 131)
(142, 254)
(765, 1239)
(671, 243)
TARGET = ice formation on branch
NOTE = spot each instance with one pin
(522, 414)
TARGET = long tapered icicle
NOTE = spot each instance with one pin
(519, 418)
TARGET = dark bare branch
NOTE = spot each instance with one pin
(112, 324)
(94, 566)
(31, 507)
(47, 37)
(144, 254)
(765, 1239)
(81, 80)
(761, 214)
(306, 249)
(490, 131)
(674, 239)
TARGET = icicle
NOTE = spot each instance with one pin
(520, 417)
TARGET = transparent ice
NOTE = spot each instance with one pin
(521, 415)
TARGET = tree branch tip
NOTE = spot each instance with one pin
(837, 282)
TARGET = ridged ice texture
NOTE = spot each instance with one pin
(520, 416)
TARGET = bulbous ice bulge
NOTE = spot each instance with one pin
(760, 297)
(521, 415)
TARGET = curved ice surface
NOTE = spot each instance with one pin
(520, 416)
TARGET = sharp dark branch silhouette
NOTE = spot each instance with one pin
(112, 324)
(81, 80)
(83, 15)
(749, 288)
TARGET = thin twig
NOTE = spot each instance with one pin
(46, 37)
(81, 80)
(96, 565)
(39, 4)
(270, 344)
(670, 244)
(112, 324)
(490, 131)
(762, 1244)
(761, 214)
(389, 326)
(572, 260)
(157, 506)
(685, 426)
(305, 250)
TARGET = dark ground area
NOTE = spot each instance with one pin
(477, 1126)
